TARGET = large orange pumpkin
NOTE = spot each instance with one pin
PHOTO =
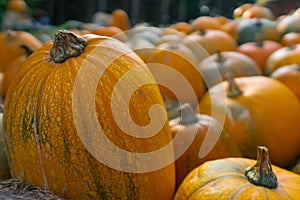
(254, 108)
(240, 178)
(201, 143)
(60, 97)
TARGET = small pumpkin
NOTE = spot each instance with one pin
(257, 11)
(204, 22)
(254, 107)
(240, 178)
(110, 31)
(120, 19)
(175, 65)
(17, 5)
(289, 23)
(238, 12)
(221, 63)
(290, 76)
(47, 140)
(290, 38)
(15, 44)
(211, 41)
(259, 50)
(283, 56)
(202, 144)
(249, 28)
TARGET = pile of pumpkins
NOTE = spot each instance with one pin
(233, 134)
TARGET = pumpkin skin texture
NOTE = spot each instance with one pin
(190, 124)
(43, 142)
(4, 168)
(229, 178)
(254, 106)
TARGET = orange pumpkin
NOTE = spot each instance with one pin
(290, 38)
(197, 144)
(240, 178)
(17, 5)
(15, 44)
(120, 19)
(238, 12)
(52, 144)
(283, 56)
(289, 23)
(290, 76)
(257, 11)
(254, 106)
(215, 67)
(204, 22)
(175, 65)
(259, 51)
(110, 31)
(211, 40)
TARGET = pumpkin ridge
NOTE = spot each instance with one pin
(211, 181)
(237, 193)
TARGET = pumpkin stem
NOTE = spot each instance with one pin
(259, 41)
(261, 174)
(66, 45)
(188, 115)
(234, 90)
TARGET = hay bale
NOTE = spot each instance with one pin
(16, 189)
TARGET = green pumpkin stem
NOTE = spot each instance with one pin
(188, 115)
(261, 174)
(234, 90)
(66, 45)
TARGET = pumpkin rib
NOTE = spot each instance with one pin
(239, 191)
(211, 181)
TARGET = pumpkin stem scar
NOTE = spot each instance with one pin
(234, 90)
(66, 45)
(261, 174)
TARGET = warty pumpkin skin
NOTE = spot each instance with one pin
(254, 116)
(241, 179)
(43, 142)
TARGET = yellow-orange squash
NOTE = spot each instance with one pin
(240, 178)
(254, 116)
(202, 145)
(48, 115)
